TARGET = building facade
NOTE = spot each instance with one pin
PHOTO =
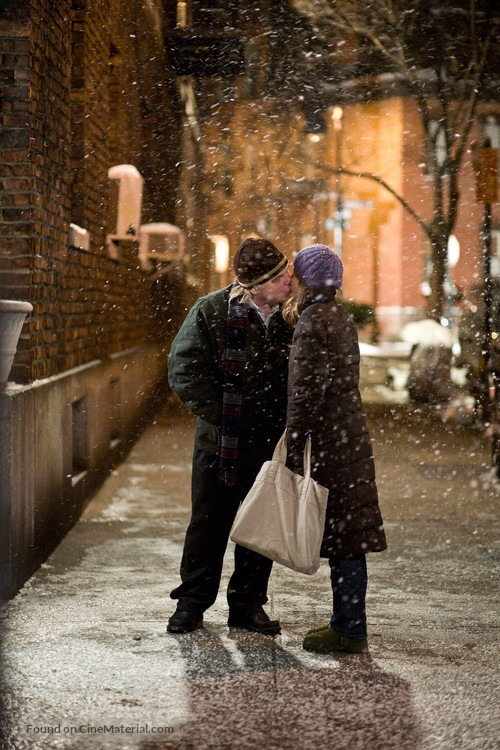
(85, 87)
(269, 144)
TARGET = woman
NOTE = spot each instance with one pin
(324, 404)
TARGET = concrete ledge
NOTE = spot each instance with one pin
(59, 438)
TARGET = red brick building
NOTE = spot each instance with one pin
(385, 252)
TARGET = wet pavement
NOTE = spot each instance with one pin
(87, 663)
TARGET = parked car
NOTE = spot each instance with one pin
(429, 379)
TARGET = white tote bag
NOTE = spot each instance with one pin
(283, 515)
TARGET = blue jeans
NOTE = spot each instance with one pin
(349, 579)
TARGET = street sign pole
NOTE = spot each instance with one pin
(486, 166)
(487, 327)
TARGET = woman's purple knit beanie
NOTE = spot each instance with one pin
(318, 266)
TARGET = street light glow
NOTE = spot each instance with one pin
(337, 117)
(221, 243)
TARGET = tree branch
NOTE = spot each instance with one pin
(376, 178)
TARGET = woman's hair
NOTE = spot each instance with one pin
(290, 309)
(292, 306)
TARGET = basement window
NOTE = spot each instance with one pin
(114, 413)
(79, 444)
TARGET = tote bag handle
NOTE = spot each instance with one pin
(280, 454)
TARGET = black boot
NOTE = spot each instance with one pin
(183, 621)
(255, 620)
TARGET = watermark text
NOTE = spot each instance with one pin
(100, 729)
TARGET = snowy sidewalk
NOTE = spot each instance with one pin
(87, 662)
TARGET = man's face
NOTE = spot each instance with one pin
(274, 291)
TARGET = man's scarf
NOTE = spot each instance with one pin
(233, 369)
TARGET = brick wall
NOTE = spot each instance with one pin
(15, 221)
(82, 90)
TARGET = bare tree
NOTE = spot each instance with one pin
(442, 54)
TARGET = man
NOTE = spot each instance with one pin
(228, 365)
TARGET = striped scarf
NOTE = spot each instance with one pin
(233, 369)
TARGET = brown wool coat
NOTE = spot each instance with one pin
(324, 402)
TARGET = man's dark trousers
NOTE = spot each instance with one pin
(213, 511)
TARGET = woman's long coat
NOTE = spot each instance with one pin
(324, 402)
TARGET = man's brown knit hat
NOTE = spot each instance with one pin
(257, 261)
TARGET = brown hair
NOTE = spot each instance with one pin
(292, 306)
(290, 309)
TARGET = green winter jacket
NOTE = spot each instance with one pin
(194, 374)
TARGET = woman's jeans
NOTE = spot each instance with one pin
(349, 579)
